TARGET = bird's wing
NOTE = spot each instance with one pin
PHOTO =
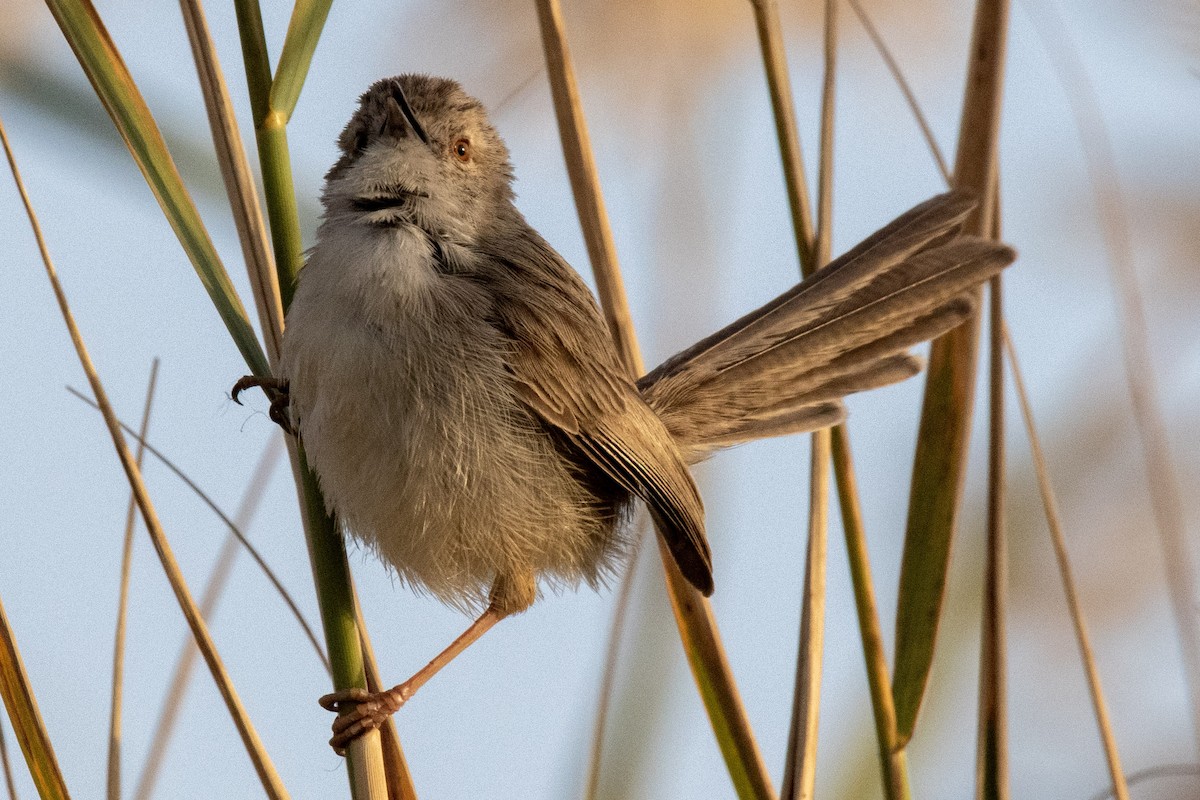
(566, 369)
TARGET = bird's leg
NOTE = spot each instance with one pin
(276, 391)
(360, 711)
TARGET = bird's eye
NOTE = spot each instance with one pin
(462, 150)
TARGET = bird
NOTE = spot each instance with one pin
(463, 405)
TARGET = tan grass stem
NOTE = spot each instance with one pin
(214, 587)
(1054, 522)
(235, 530)
(399, 779)
(1166, 497)
(9, 782)
(939, 464)
(910, 97)
(992, 771)
(118, 672)
(770, 39)
(17, 694)
(238, 178)
(800, 768)
(693, 614)
(612, 657)
(893, 763)
(1119, 780)
(254, 747)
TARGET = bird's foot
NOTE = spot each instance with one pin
(366, 711)
(276, 391)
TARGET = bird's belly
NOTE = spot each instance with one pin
(427, 456)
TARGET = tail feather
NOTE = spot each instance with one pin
(917, 229)
(840, 331)
(797, 420)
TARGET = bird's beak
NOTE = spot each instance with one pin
(409, 116)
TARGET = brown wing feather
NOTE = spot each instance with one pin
(567, 371)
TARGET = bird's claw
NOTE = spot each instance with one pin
(368, 713)
(276, 391)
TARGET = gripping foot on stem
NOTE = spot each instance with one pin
(276, 391)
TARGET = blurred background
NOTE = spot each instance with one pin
(681, 124)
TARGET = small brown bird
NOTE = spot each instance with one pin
(460, 398)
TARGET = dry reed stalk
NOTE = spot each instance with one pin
(396, 773)
(114, 719)
(893, 764)
(9, 782)
(17, 694)
(693, 614)
(1054, 522)
(258, 755)
(800, 769)
(992, 771)
(237, 177)
(939, 464)
(608, 678)
(214, 587)
(1120, 782)
(1166, 497)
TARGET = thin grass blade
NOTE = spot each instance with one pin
(939, 465)
(114, 719)
(17, 693)
(800, 765)
(214, 586)
(693, 614)
(770, 39)
(254, 748)
(235, 530)
(910, 97)
(1120, 786)
(326, 548)
(1166, 495)
(304, 31)
(238, 178)
(991, 762)
(84, 31)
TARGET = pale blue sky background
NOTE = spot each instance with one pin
(683, 134)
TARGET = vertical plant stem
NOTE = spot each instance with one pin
(693, 614)
(118, 671)
(585, 185)
(399, 779)
(611, 662)
(800, 770)
(770, 38)
(9, 783)
(254, 747)
(1166, 497)
(1054, 522)
(939, 464)
(991, 763)
(892, 757)
(327, 552)
(214, 587)
(237, 177)
(894, 765)
(21, 704)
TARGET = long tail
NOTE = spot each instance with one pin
(782, 368)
